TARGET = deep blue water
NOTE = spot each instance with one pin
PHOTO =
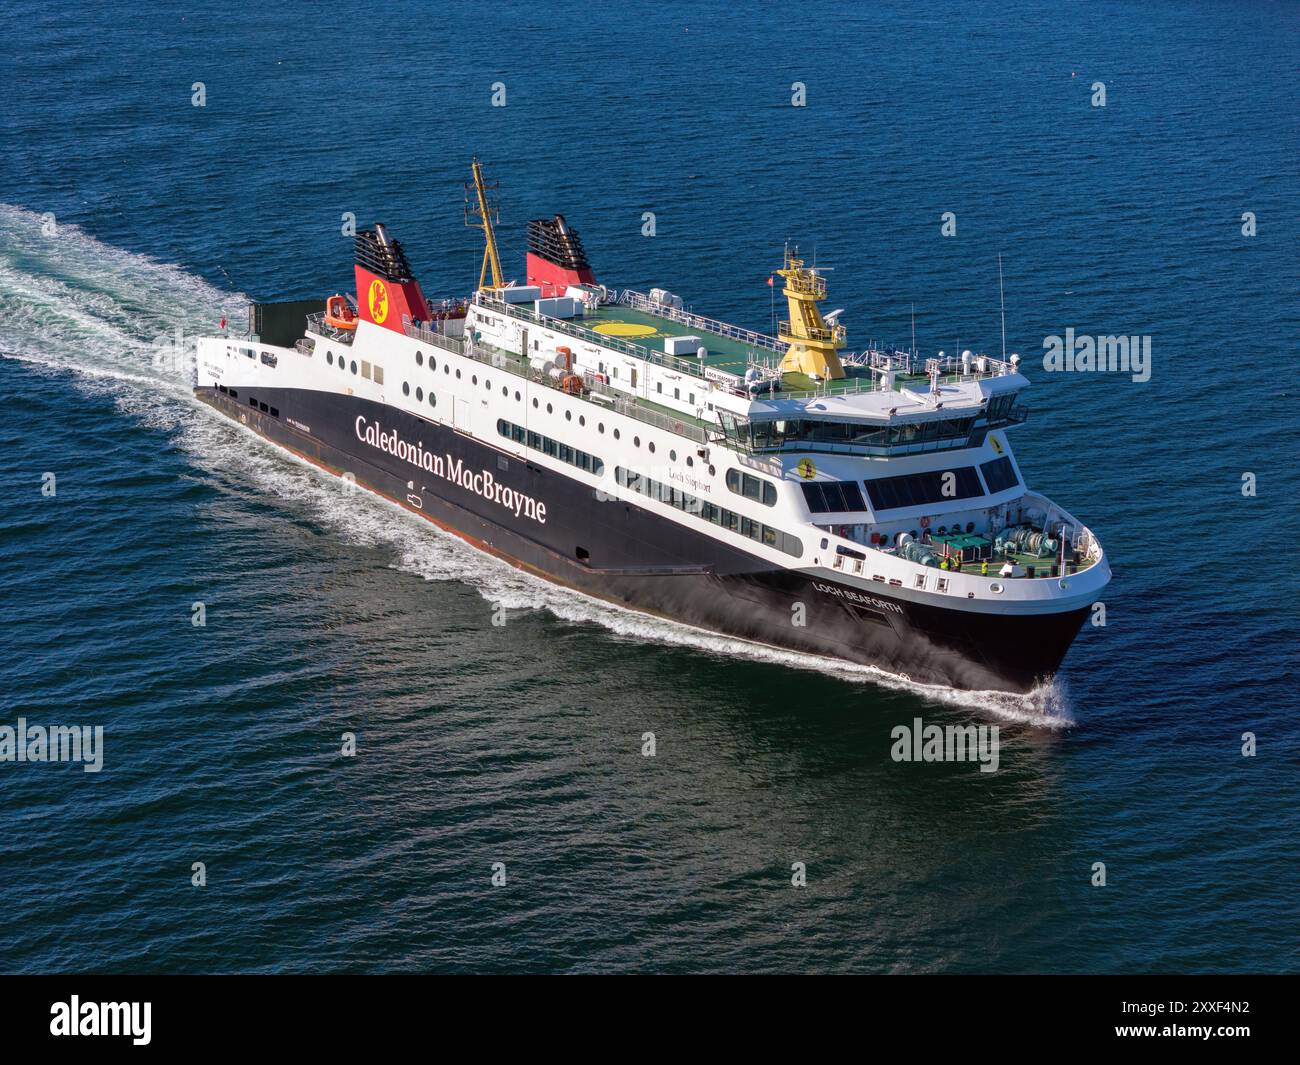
(521, 743)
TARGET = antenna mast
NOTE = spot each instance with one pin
(485, 212)
(1002, 300)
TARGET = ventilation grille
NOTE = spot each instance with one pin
(382, 255)
(554, 241)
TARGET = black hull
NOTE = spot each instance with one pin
(620, 552)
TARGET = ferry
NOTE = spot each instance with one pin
(775, 488)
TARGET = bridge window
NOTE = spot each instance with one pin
(999, 474)
(833, 497)
(922, 489)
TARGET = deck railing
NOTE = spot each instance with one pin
(590, 336)
(456, 345)
(641, 302)
(316, 324)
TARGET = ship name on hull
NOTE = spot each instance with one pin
(856, 597)
(480, 482)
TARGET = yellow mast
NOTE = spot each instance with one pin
(814, 345)
(490, 256)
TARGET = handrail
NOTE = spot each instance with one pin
(316, 324)
(639, 351)
(456, 345)
(621, 403)
(641, 302)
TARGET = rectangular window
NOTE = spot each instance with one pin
(999, 474)
(835, 497)
(379, 375)
(922, 489)
(365, 369)
(815, 497)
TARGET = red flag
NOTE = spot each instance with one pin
(223, 323)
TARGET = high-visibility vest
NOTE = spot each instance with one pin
(984, 569)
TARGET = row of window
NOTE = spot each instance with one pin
(922, 489)
(909, 490)
(727, 519)
(827, 497)
(572, 455)
(751, 487)
(370, 373)
(264, 408)
(768, 435)
(419, 394)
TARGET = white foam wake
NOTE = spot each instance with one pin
(71, 303)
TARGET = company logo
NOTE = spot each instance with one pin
(55, 743)
(378, 301)
(102, 1018)
(807, 469)
(954, 743)
(481, 482)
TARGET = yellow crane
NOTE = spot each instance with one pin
(484, 212)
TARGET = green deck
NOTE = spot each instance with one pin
(725, 353)
(649, 330)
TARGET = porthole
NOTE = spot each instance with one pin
(419, 394)
(568, 415)
(433, 400)
(329, 358)
(712, 470)
(672, 454)
(690, 461)
(651, 446)
(534, 404)
(600, 427)
(636, 441)
(433, 364)
(457, 375)
(354, 365)
(518, 397)
(474, 380)
(446, 367)
(505, 391)
(419, 358)
(617, 434)
(548, 408)
(406, 388)
(582, 420)
(996, 588)
(487, 385)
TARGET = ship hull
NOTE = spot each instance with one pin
(617, 551)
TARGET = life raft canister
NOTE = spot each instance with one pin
(338, 314)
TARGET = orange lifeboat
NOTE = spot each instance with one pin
(339, 313)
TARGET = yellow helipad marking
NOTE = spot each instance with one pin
(624, 329)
